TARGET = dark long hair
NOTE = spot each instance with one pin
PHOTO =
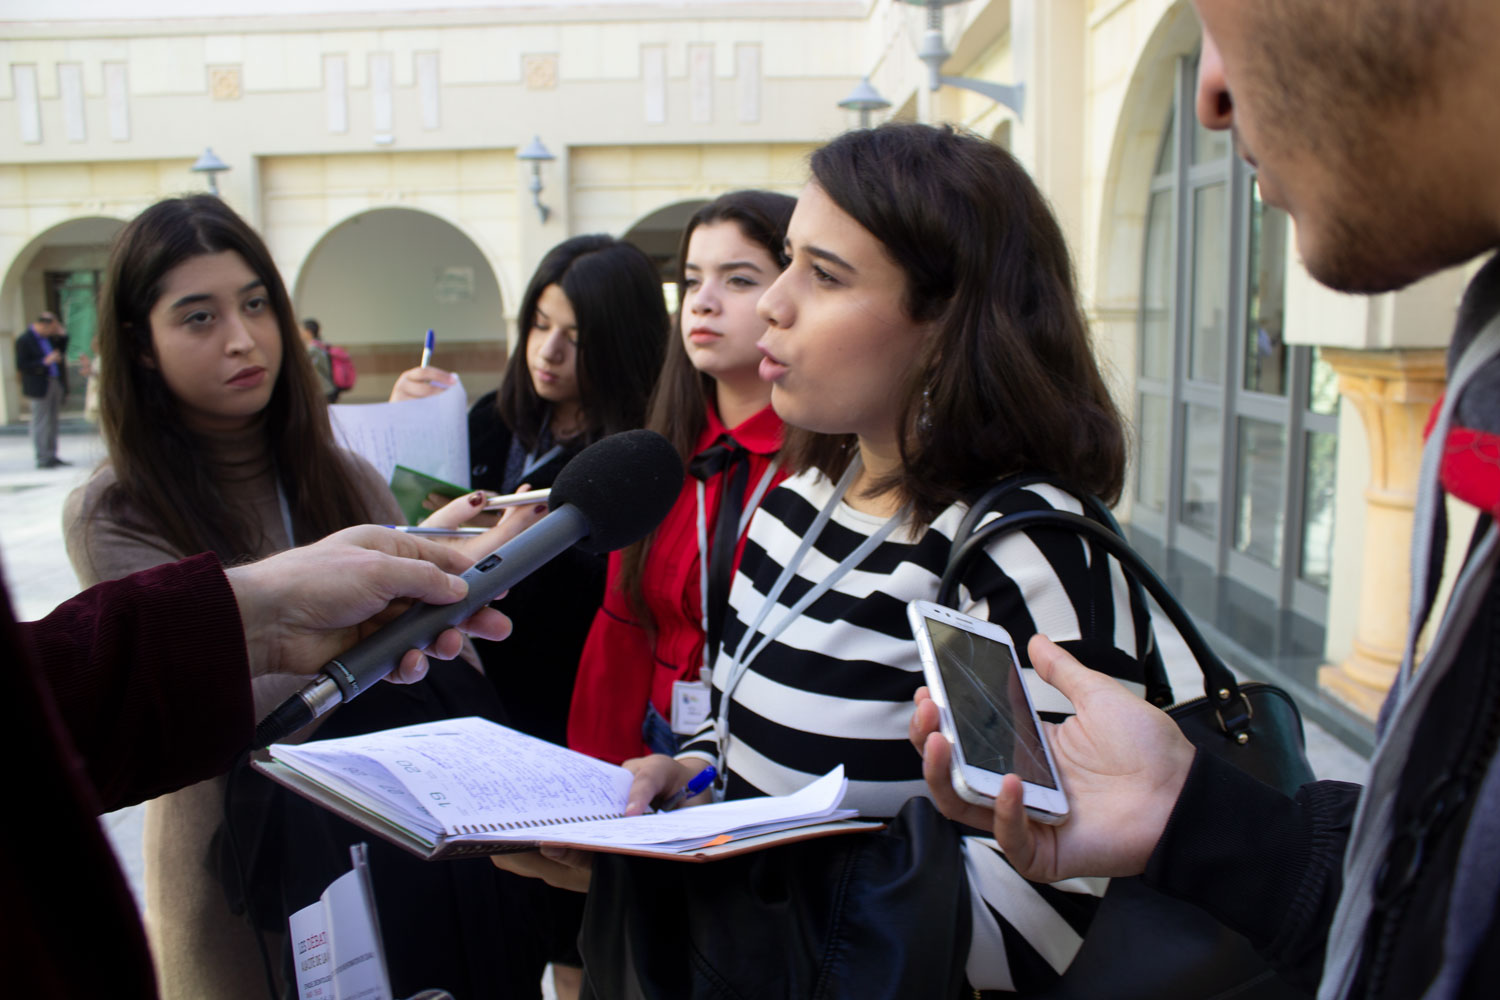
(1009, 382)
(679, 403)
(622, 330)
(157, 461)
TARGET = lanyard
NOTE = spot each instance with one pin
(535, 461)
(751, 502)
(740, 662)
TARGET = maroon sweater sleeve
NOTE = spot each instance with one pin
(149, 677)
(130, 689)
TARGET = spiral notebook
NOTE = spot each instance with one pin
(464, 787)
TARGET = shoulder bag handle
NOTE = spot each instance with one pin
(1219, 684)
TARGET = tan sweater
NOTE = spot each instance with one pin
(200, 948)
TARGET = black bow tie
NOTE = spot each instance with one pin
(724, 452)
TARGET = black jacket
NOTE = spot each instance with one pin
(31, 348)
(551, 610)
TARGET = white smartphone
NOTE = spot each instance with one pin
(985, 710)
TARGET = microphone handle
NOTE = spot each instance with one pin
(377, 654)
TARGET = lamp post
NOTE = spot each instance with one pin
(211, 165)
(934, 52)
(536, 154)
(864, 99)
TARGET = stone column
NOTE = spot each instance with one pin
(1393, 391)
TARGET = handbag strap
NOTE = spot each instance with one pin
(991, 496)
(1219, 684)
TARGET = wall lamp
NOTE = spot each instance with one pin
(211, 165)
(536, 154)
(864, 99)
(934, 53)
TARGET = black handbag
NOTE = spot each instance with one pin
(1142, 943)
(872, 916)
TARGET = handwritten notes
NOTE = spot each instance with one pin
(470, 773)
(430, 435)
(472, 782)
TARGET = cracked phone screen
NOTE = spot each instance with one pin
(995, 726)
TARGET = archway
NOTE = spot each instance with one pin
(1132, 160)
(60, 270)
(379, 280)
(658, 234)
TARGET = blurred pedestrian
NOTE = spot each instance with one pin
(41, 354)
(317, 353)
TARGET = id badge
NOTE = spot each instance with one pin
(690, 703)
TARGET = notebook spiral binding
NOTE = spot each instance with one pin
(531, 824)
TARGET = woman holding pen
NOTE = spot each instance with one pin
(219, 440)
(639, 688)
(593, 328)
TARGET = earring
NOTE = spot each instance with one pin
(924, 413)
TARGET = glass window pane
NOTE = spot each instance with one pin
(1265, 350)
(1208, 145)
(1200, 469)
(1210, 283)
(1322, 386)
(1156, 290)
(1317, 508)
(1152, 435)
(1167, 155)
(1259, 512)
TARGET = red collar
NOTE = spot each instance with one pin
(1471, 464)
(759, 433)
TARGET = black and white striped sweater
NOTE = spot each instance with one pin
(835, 687)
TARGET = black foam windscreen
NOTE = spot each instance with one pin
(623, 485)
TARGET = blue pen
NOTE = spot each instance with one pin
(696, 784)
(427, 350)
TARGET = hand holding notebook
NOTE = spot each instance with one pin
(464, 787)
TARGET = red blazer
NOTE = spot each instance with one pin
(133, 688)
(620, 671)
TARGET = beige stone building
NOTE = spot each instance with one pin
(375, 146)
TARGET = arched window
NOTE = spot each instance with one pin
(1236, 428)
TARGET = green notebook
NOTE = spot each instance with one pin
(412, 489)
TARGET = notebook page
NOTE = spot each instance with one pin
(699, 824)
(430, 434)
(368, 784)
(472, 775)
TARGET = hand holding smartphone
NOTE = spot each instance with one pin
(985, 711)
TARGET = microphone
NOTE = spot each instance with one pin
(611, 494)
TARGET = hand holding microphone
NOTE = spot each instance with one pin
(301, 606)
(611, 494)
